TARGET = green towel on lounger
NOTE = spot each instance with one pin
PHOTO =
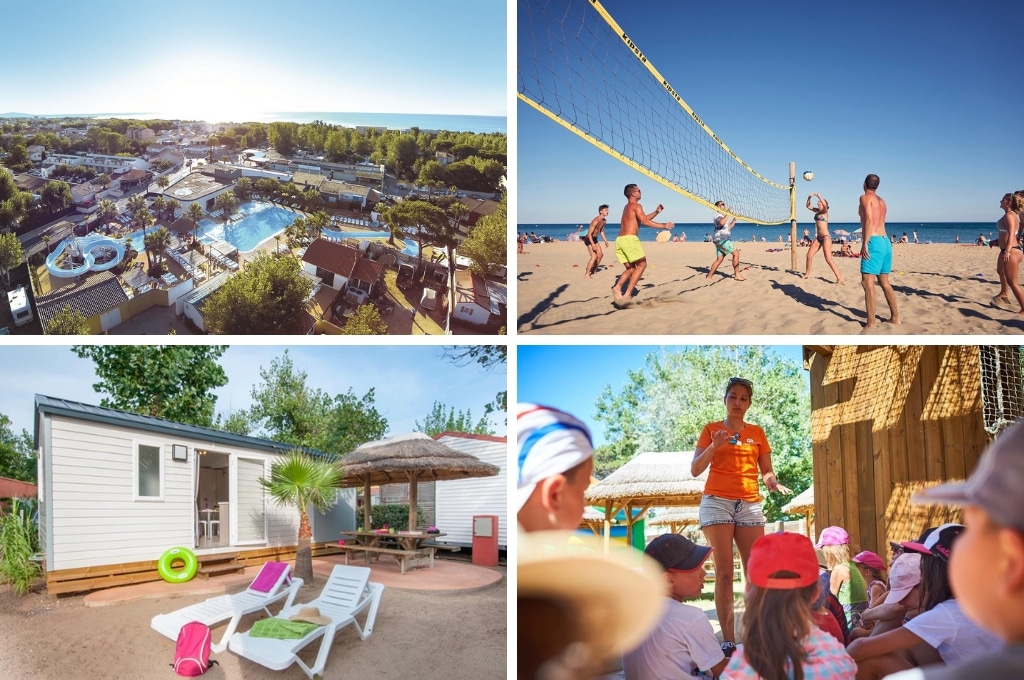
(281, 629)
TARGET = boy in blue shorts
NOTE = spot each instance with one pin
(876, 253)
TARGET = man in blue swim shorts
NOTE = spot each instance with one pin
(876, 253)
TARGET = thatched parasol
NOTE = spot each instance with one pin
(677, 519)
(803, 504)
(651, 479)
(411, 458)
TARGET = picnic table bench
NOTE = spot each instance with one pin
(410, 549)
(406, 558)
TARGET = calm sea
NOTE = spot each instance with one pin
(394, 121)
(931, 232)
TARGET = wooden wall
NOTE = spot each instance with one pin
(886, 421)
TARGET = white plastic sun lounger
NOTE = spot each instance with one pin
(346, 593)
(268, 587)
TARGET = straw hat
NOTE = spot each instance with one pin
(311, 615)
(612, 602)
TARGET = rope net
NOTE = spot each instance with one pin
(1002, 387)
(580, 69)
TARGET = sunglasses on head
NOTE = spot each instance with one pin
(740, 381)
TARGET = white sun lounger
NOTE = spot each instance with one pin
(268, 587)
(346, 593)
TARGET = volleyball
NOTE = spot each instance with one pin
(808, 175)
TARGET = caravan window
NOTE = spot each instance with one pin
(148, 468)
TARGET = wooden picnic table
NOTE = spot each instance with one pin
(408, 547)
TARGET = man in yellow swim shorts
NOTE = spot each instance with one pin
(627, 245)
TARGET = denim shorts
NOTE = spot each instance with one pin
(717, 510)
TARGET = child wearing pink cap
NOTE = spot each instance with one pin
(781, 639)
(847, 584)
(872, 569)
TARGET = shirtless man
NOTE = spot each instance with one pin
(876, 253)
(590, 240)
(627, 245)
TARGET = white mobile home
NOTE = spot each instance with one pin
(21, 308)
(457, 501)
(116, 490)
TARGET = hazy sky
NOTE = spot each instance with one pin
(926, 95)
(219, 60)
(572, 377)
(407, 379)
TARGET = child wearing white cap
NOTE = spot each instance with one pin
(555, 461)
(986, 569)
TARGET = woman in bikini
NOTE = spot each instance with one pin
(822, 240)
(1011, 251)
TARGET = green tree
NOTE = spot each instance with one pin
(226, 202)
(288, 410)
(163, 182)
(67, 322)
(282, 137)
(11, 255)
(17, 455)
(175, 382)
(299, 480)
(487, 243)
(56, 195)
(365, 321)
(103, 180)
(444, 418)
(488, 357)
(107, 210)
(267, 297)
(665, 405)
(14, 203)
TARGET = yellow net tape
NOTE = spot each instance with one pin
(580, 69)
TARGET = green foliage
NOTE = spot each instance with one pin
(609, 458)
(487, 243)
(488, 357)
(67, 322)
(365, 321)
(268, 297)
(56, 195)
(11, 254)
(298, 481)
(289, 411)
(174, 382)
(394, 516)
(19, 541)
(665, 405)
(17, 455)
(443, 418)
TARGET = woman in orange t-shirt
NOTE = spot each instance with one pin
(730, 510)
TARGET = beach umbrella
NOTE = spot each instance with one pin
(408, 458)
(858, 231)
(842, 232)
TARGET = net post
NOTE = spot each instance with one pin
(792, 212)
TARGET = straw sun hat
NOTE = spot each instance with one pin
(311, 615)
(611, 602)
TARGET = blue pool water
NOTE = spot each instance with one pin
(257, 222)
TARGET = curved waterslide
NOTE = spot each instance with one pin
(87, 247)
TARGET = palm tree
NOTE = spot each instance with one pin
(162, 181)
(107, 210)
(195, 213)
(172, 207)
(161, 242)
(299, 481)
(46, 242)
(159, 204)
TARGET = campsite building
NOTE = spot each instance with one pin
(116, 490)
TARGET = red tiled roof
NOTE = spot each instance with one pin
(334, 257)
(367, 270)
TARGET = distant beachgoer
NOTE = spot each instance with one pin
(903, 239)
(683, 237)
(956, 239)
(589, 239)
(823, 240)
(722, 239)
(876, 253)
(627, 244)
(981, 240)
(780, 238)
(1011, 252)
(520, 240)
(915, 236)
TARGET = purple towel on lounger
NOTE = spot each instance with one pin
(268, 576)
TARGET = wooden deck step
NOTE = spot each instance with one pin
(213, 565)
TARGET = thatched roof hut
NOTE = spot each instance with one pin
(651, 479)
(677, 519)
(410, 458)
(803, 504)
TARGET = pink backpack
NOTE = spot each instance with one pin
(192, 651)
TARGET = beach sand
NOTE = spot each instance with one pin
(417, 634)
(940, 290)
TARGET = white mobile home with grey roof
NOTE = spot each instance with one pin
(118, 489)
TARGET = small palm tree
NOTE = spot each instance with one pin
(299, 480)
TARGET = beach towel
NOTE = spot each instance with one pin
(268, 576)
(281, 629)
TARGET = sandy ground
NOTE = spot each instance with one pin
(418, 634)
(940, 289)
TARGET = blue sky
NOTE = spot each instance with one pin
(925, 95)
(572, 377)
(219, 60)
(408, 379)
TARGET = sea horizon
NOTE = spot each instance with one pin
(393, 121)
(927, 232)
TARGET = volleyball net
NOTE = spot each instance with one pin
(579, 68)
(1002, 386)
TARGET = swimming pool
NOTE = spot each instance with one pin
(259, 222)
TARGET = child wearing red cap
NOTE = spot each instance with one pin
(781, 641)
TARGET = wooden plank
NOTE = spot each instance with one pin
(914, 406)
(931, 430)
